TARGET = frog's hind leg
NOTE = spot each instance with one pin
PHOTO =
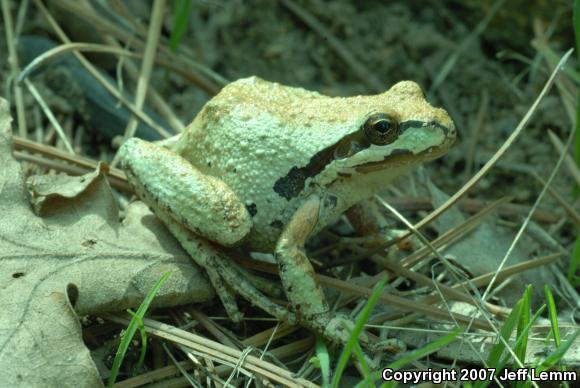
(267, 286)
(369, 222)
(367, 219)
(236, 278)
(224, 274)
(168, 184)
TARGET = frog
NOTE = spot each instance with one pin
(265, 166)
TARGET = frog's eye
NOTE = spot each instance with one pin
(381, 129)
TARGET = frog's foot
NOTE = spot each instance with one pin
(223, 273)
(337, 329)
(236, 278)
(298, 277)
(369, 222)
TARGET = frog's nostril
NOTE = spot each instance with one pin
(452, 132)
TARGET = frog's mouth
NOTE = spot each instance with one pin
(402, 157)
(293, 183)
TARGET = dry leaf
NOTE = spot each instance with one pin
(77, 258)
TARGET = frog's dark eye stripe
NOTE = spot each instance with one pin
(381, 129)
(292, 184)
(351, 145)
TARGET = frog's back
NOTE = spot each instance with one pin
(252, 134)
(252, 117)
(248, 137)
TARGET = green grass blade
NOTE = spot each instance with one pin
(505, 333)
(323, 360)
(132, 329)
(523, 322)
(523, 336)
(575, 260)
(576, 22)
(425, 350)
(522, 332)
(181, 10)
(519, 316)
(143, 334)
(553, 314)
(366, 371)
(363, 317)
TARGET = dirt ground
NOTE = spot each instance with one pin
(488, 73)
(482, 61)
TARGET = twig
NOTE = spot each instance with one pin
(155, 24)
(14, 68)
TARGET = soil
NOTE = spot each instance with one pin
(492, 71)
(483, 63)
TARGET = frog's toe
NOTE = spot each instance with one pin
(339, 330)
(232, 275)
(227, 298)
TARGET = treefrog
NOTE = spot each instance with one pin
(265, 166)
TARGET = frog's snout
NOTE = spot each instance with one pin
(452, 133)
(442, 118)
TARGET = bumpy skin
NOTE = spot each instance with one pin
(255, 133)
(266, 163)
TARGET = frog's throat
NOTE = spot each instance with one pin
(293, 183)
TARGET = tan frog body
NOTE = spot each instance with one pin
(265, 166)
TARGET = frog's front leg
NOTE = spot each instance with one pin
(298, 277)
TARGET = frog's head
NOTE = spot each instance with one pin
(378, 138)
(401, 128)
